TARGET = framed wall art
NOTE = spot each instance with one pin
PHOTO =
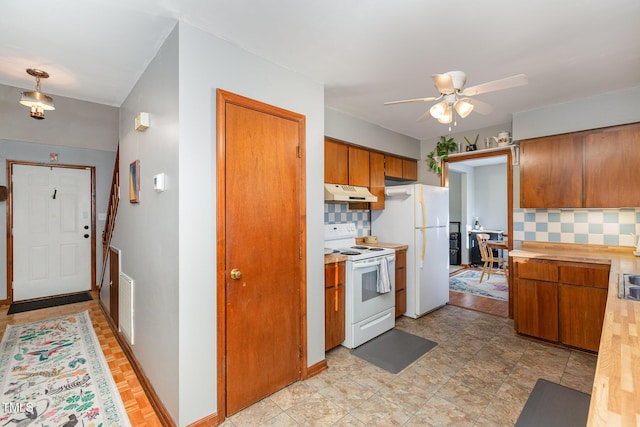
(134, 182)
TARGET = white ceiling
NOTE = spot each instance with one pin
(366, 52)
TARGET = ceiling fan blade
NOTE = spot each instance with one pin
(481, 107)
(444, 83)
(411, 100)
(506, 83)
(425, 116)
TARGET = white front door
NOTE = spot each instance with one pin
(51, 231)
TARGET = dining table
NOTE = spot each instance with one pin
(500, 245)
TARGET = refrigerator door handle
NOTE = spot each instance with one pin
(424, 244)
(424, 208)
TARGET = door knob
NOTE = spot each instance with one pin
(86, 236)
(236, 274)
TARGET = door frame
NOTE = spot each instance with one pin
(10, 164)
(444, 182)
(222, 98)
(114, 287)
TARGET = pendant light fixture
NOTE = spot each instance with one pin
(36, 100)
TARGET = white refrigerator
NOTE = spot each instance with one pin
(418, 215)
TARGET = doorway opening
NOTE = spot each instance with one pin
(481, 192)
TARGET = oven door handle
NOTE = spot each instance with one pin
(366, 264)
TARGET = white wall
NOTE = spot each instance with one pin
(594, 112)
(147, 232)
(347, 128)
(455, 197)
(73, 123)
(491, 196)
(207, 63)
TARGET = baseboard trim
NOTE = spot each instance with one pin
(209, 420)
(314, 370)
(154, 399)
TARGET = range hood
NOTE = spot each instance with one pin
(347, 193)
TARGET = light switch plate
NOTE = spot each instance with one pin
(158, 182)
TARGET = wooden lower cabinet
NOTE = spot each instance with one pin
(581, 309)
(560, 301)
(334, 305)
(401, 282)
(537, 309)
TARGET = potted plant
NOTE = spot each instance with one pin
(441, 152)
(470, 146)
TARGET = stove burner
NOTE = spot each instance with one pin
(376, 249)
(350, 253)
(359, 247)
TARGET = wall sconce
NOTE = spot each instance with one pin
(36, 100)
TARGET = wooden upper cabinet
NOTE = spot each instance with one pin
(590, 169)
(358, 166)
(393, 167)
(376, 179)
(612, 167)
(400, 169)
(336, 162)
(551, 172)
(409, 170)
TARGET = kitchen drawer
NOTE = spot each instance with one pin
(537, 270)
(333, 274)
(593, 275)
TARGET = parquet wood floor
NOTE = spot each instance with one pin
(138, 406)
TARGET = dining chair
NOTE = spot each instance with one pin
(486, 254)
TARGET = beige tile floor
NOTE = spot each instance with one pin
(480, 374)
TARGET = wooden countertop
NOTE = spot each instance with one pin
(396, 246)
(615, 398)
(331, 258)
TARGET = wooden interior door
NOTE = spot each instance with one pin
(114, 285)
(262, 194)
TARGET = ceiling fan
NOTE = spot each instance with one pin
(454, 96)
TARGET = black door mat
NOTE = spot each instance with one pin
(20, 307)
(394, 350)
(552, 404)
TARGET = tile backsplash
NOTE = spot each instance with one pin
(612, 227)
(336, 213)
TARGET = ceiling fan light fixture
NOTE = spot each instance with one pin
(463, 107)
(446, 116)
(36, 100)
(438, 109)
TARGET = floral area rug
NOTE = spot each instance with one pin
(469, 281)
(53, 373)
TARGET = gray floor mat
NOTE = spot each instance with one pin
(551, 405)
(394, 350)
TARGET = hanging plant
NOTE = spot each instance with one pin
(440, 153)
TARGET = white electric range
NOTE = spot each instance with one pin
(369, 284)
